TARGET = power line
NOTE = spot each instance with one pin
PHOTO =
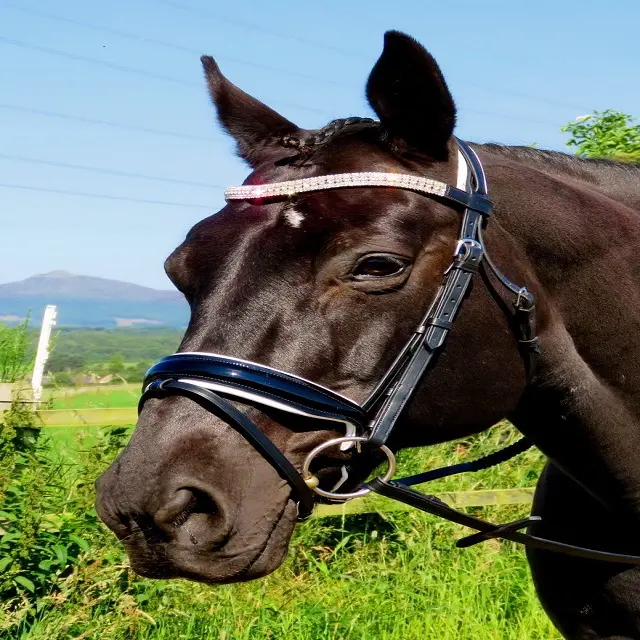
(214, 16)
(177, 134)
(211, 15)
(113, 172)
(345, 52)
(107, 123)
(506, 116)
(133, 70)
(103, 63)
(103, 196)
(163, 43)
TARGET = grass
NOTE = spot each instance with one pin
(120, 396)
(372, 578)
(379, 576)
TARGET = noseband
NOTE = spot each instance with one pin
(209, 378)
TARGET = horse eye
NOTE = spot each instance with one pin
(379, 266)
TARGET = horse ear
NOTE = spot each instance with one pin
(408, 92)
(254, 126)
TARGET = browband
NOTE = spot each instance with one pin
(420, 184)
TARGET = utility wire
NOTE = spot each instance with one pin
(103, 196)
(112, 172)
(103, 63)
(207, 13)
(163, 43)
(161, 77)
(133, 70)
(106, 123)
(212, 15)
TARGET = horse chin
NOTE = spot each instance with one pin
(242, 557)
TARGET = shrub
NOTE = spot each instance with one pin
(47, 521)
(14, 348)
(605, 134)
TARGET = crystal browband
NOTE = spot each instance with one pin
(337, 181)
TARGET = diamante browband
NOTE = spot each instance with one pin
(337, 181)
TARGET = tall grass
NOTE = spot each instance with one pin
(15, 361)
(378, 576)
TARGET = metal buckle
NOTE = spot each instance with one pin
(312, 481)
(525, 300)
(468, 252)
(466, 249)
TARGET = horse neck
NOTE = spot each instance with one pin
(617, 180)
(580, 250)
(565, 225)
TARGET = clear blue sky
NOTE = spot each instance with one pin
(518, 71)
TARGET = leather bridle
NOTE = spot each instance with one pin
(210, 379)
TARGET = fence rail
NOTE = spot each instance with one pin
(88, 417)
(368, 504)
(458, 499)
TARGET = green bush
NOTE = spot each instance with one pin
(47, 521)
(605, 134)
(15, 345)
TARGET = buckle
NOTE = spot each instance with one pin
(468, 249)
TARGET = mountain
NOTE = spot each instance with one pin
(87, 301)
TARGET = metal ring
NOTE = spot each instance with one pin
(307, 475)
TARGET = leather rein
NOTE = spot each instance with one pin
(209, 379)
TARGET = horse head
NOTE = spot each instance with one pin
(328, 286)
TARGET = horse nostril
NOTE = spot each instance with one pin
(184, 502)
(192, 515)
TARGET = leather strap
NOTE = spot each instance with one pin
(432, 330)
(485, 462)
(435, 506)
(220, 407)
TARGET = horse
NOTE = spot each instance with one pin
(328, 284)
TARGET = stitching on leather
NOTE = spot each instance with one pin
(308, 384)
(239, 385)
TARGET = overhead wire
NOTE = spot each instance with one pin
(165, 78)
(215, 16)
(103, 196)
(112, 172)
(132, 70)
(106, 123)
(212, 15)
(163, 43)
(208, 13)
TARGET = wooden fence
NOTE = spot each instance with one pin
(368, 504)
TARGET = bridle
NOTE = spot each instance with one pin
(210, 379)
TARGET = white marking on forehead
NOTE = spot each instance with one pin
(294, 217)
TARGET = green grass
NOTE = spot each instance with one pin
(67, 441)
(379, 576)
(374, 578)
(98, 398)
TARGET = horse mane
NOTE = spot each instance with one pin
(541, 158)
(611, 177)
(615, 179)
(336, 128)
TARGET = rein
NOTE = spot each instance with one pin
(206, 378)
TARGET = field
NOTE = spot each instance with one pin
(381, 575)
(108, 396)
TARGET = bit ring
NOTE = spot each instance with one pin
(311, 479)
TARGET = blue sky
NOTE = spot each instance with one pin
(117, 86)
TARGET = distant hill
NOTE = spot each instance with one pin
(86, 301)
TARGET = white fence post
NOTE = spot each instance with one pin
(48, 322)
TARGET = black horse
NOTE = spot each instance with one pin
(330, 284)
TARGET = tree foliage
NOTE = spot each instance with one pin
(605, 134)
